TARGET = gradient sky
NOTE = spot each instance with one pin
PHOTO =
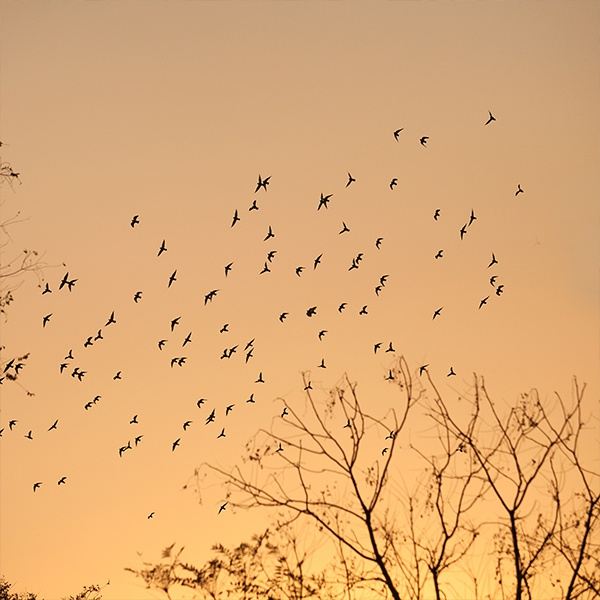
(170, 111)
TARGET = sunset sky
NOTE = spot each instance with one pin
(170, 111)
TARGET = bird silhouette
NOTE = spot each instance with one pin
(62, 480)
(499, 290)
(253, 206)
(228, 268)
(322, 334)
(378, 289)
(68, 282)
(389, 376)
(390, 348)
(53, 426)
(436, 214)
(321, 365)
(262, 183)
(138, 439)
(134, 420)
(324, 201)
(283, 316)
(222, 507)
(312, 311)
(229, 408)
(225, 328)
(376, 347)
(265, 269)
(187, 340)
(12, 423)
(472, 218)
(235, 219)
(135, 221)
(437, 312)
(363, 310)
(271, 255)
(111, 319)
(317, 261)
(519, 190)
(47, 289)
(137, 297)
(37, 485)
(463, 231)
(98, 335)
(423, 140)
(172, 278)
(284, 412)
(88, 342)
(200, 402)
(260, 378)
(46, 319)
(344, 228)
(383, 279)
(493, 280)
(397, 133)
(451, 372)
(161, 344)
(175, 444)
(308, 386)
(422, 369)
(222, 434)
(186, 425)
(493, 261)
(342, 306)
(163, 248)
(393, 183)
(69, 356)
(249, 354)
(251, 399)
(209, 297)
(491, 118)
(483, 301)
(175, 322)
(299, 271)
(117, 375)
(151, 515)
(29, 435)
(350, 180)
(378, 242)
(63, 366)
(439, 254)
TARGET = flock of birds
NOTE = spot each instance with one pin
(11, 369)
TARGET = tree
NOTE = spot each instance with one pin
(89, 592)
(506, 482)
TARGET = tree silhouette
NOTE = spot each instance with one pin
(501, 503)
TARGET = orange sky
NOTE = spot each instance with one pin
(170, 111)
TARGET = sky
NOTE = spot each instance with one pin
(171, 111)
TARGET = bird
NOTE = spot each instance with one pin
(348, 425)
(344, 229)
(283, 316)
(350, 180)
(62, 480)
(299, 270)
(321, 365)
(437, 312)
(317, 261)
(393, 183)
(483, 301)
(175, 444)
(137, 297)
(251, 399)
(493, 261)
(175, 322)
(200, 402)
(440, 254)
(117, 375)
(98, 336)
(172, 278)
(123, 449)
(436, 214)
(383, 279)
(260, 378)
(229, 408)
(88, 342)
(111, 319)
(322, 333)
(472, 218)
(249, 344)
(389, 376)
(451, 372)
(135, 221)
(222, 507)
(151, 515)
(163, 248)
(376, 347)
(222, 434)
(378, 289)
(269, 235)
(271, 255)
(253, 206)
(342, 306)
(308, 386)
(46, 319)
(66, 281)
(262, 183)
(63, 366)
(354, 265)
(37, 485)
(324, 201)
(493, 280)
(47, 289)
(463, 231)
(390, 348)
(363, 310)
(186, 425)
(390, 436)
(228, 268)
(29, 435)
(249, 354)
(312, 311)
(161, 344)
(519, 190)
(265, 269)
(187, 340)
(423, 368)
(69, 356)
(384, 451)
(499, 290)
(209, 297)
(491, 118)
(235, 218)
(397, 133)
(225, 328)
(134, 420)
(378, 242)
(423, 140)
(279, 448)
(53, 426)
(284, 412)
(138, 439)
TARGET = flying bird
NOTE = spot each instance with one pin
(236, 218)
(47, 289)
(137, 297)
(175, 322)
(260, 378)
(253, 206)
(344, 228)
(29, 435)
(499, 290)
(271, 255)
(222, 434)
(151, 515)
(321, 334)
(483, 301)
(393, 183)
(62, 480)
(111, 319)
(342, 306)
(37, 485)
(229, 408)
(135, 221)
(424, 140)
(378, 242)
(161, 344)
(463, 231)
(12, 423)
(187, 340)
(265, 269)
(491, 118)
(397, 133)
(53, 426)
(186, 425)
(163, 248)
(376, 347)
(228, 268)
(63, 366)
(493, 261)
(138, 439)
(175, 444)
(117, 375)
(209, 297)
(222, 507)
(262, 183)
(317, 261)
(225, 328)
(363, 310)
(437, 312)
(200, 402)
(519, 190)
(134, 420)
(312, 311)
(324, 201)
(390, 348)
(172, 278)
(350, 180)
(299, 271)
(321, 365)
(451, 372)
(472, 218)
(283, 316)
(440, 254)
(46, 319)
(269, 235)
(436, 214)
